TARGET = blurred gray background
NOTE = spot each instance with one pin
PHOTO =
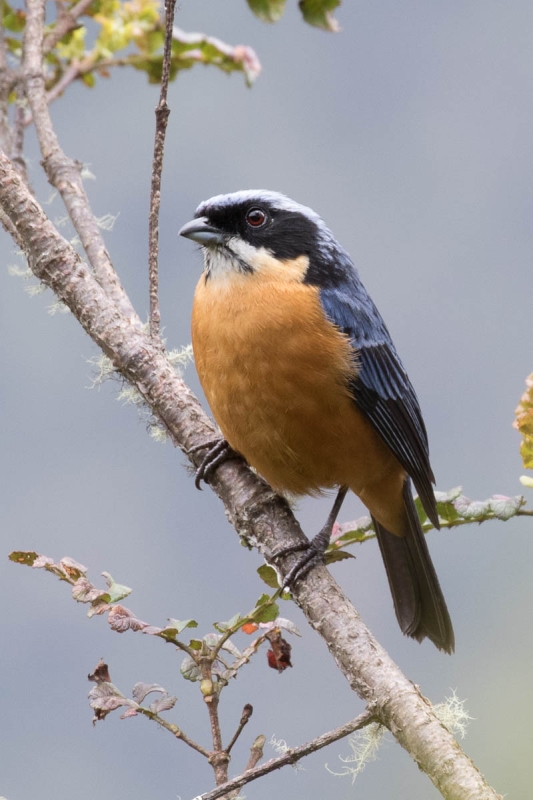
(410, 133)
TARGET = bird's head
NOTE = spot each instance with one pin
(267, 235)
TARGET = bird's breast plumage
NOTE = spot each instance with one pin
(276, 374)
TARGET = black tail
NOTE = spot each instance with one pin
(418, 600)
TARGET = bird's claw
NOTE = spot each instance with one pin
(218, 450)
(314, 550)
(313, 554)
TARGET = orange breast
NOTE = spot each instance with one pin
(275, 372)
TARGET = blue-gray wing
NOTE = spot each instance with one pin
(382, 389)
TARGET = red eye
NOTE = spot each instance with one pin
(256, 217)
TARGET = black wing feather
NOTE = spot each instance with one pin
(382, 389)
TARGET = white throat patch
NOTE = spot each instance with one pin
(238, 259)
(235, 255)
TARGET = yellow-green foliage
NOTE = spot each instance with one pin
(131, 34)
(524, 423)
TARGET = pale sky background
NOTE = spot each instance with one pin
(411, 134)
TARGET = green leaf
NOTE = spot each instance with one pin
(269, 576)
(72, 46)
(176, 626)
(447, 512)
(115, 591)
(14, 46)
(22, 557)
(266, 613)
(231, 623)
(332, 556)
(153, 66)
(189, 49)
(420, 510)
(13, 19)
(190, 669)
(153, 41)
(196, 644)
(351, 532)
(319, 13)
(268, 10)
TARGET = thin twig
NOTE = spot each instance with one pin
(181, 646)
(175, 730)
(65, 173)
(256, 752)
(72, 72)
(245, 716)
(162, 113)
(219, 759)
(67, 21)
(75, 70)
(245, 657)
(291, 756)
(348, 527)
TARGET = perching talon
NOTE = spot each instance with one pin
(218, 452)
(314, 550)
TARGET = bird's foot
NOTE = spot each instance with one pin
(312, 555)
(218, 450)
(313, 551)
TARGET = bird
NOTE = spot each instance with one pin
(305, 383)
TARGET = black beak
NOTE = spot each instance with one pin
(200, 230)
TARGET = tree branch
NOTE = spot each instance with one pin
(174, 730)
(65, 23)
(64, 173)
(361, 530)
(73, 71)
(245, 716)
(258, 515)
(256, 752)
(291, 756)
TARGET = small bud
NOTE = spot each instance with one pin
(206, 687)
